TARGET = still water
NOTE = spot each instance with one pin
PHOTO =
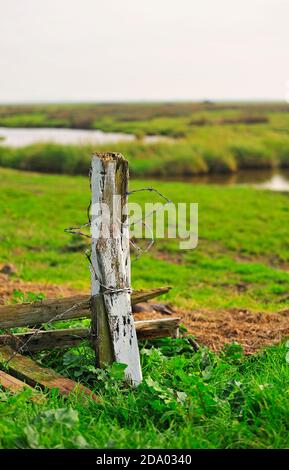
(19, 137)
(277, 180)
(273, 180)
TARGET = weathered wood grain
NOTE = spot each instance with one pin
(160, 328)
(26, 369)
(8, 382)
(66, 338)
(51, 339)
(14, 386)
(112, 320)
(29, 314)
(101, 337)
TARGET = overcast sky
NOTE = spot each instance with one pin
(106, 50)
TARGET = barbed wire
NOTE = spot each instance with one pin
(39, 330)
(108, 289)
(151, 189)
(152, 241)
(78, 230)
(105, 289)
(140, 251)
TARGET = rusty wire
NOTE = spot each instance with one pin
(105, 289)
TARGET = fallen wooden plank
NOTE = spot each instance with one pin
(48, 310)
(160, 328)
(143, 295)
(51, 339)
(26, 369)
(68, 337)
(8, 382)
(14, 386)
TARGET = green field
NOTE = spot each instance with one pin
(187, 399)
(243, 238)
(202, 137)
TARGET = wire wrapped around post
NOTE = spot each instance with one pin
(112, 320)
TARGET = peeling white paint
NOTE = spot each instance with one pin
(111, 262)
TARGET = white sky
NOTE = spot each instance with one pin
(106, 50)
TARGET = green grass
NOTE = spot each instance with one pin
(243, 238)
(204, 138)
(174, 119)
(187, 399)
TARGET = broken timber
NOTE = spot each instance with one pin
(114, 334)
(24, 368)
(111, 316)
(14, 386)
(48, 310)
(11, 383)
(69, 337)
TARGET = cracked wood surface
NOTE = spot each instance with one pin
(112, 320)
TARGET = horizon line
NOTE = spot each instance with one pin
(146, 101)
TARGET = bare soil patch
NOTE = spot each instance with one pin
(9, 284)
(252, 330)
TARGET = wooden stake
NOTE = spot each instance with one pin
(112, 320)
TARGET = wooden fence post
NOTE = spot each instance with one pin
(113, 327)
